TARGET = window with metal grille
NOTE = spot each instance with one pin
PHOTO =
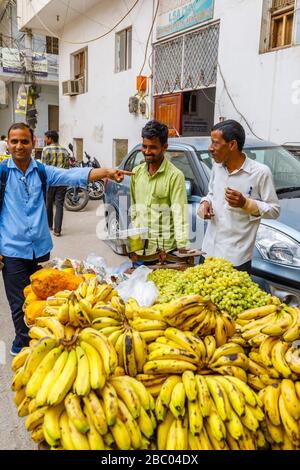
(52, 45)
(187, 62)
(123, 50)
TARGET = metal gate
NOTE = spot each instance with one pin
(187, 62)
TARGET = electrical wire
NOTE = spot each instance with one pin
(149, 37)
(90, 40)
(234, 105)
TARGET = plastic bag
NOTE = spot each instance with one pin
(137, 287)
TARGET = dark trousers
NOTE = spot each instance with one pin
(56, 194)
(16, 273)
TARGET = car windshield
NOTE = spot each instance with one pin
(284, 166)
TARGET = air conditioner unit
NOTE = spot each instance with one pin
(73, 87)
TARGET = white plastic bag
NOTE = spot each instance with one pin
(137, 287)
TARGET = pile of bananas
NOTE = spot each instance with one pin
(208, 412)
(231, 290)
(179, 351)
(281, 404)
(272, 320)
(199, 315)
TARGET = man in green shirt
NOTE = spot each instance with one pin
(158, 194)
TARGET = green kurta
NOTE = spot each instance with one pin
(159, 202)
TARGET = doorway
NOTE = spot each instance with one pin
(53, 117)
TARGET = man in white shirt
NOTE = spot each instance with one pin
(3, 145)
(241, 192)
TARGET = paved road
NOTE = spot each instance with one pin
(78, 240)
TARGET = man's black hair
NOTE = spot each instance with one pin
(53, 135)
(20, 125)
(232, 130)
(155, 129)
(3, 137)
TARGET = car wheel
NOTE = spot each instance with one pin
(113, 224)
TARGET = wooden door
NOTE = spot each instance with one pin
(168, 109)
(53, 117)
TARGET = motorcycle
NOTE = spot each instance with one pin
(76, 198)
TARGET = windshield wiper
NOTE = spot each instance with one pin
(287, 190)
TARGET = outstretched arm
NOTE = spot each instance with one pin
(111, 173)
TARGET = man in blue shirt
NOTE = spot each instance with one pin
(25, 239)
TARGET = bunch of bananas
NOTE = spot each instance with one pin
(46, 372)
(273, 361)
(208, 412)
(281, 403)
(119, 416)
(199, 315)
(178, 351)
(271, 320)
(79, 307)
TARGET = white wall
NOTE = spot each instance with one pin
(261, 85)
(101, 115)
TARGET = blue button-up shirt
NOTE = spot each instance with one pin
(24, 231)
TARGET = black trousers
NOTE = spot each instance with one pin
(16, 273)
(56, 194)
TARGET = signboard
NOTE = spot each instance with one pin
(11, 61)
(40, 65)
(21, 105)
(184, 14)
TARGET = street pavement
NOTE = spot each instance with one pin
(78, 240)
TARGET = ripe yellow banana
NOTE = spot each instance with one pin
(35, 418)
(210, 346)
(104, 348)
(139, 389)
(163, 431)
(110, 403)
(249, 419)
(130, 365)
(63, 313)
(60, 388)
(291, 401)
(219, 396)
(195, 418)
(167, 352)
(23, 407)
(39, 351)
(95, 439)
(79, 440)
(204, 398)
(19, 396)
(51, 378)
(53, 324)
(249, 395)
(216, 425)
(51, 421)
(170, 366)
(140, 350)
(75, 414)
(190, 386)
(167, 389)
(220, 331)
(19, 360)
(289, 422)
(97, 375)
(258, 312)
(65, 438)
(228, 348)
(160, 410)
(177, 402)
(293, 332)
(131, 424)
(96, 412)
(282, 322)
(145, 423)
(39, 375)
(278, 359)
(271, 403)
(234, 426)
(82, 384)
(121, 435)
(126, 393)
(235, 396)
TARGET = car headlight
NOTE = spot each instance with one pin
(277, 247)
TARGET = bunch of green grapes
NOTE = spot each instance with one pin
(231, 290)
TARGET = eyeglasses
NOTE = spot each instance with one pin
(23, 179)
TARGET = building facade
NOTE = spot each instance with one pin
(22, 52)
(204, 61)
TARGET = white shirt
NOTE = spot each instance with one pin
(3, 147)
(231, 232)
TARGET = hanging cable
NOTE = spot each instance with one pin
(149, 36)
(90, 40)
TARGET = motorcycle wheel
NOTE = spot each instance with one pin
(75, 203)
(96, 190)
